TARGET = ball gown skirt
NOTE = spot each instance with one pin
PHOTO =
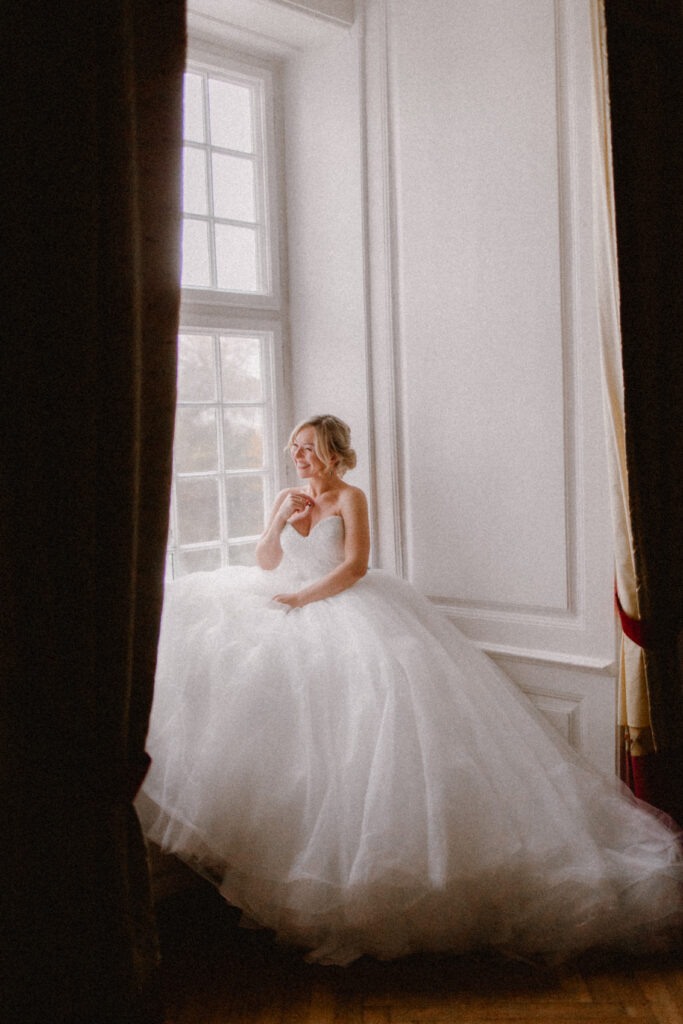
(360, 778)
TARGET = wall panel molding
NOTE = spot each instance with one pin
(574, 627)
(562, 711)
(382, 290)
(569, 257)
(577, 700)
(551, 659)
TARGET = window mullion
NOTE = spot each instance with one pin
(209, 184)
(263, 249)
(270, 424)
(222, 499)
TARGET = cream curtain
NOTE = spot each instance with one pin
(633, 696)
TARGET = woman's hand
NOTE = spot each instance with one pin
(293, 600)
(296, 506)
(289, 506)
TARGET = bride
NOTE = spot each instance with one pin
(350, 771)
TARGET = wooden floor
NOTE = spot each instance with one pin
(214, 972)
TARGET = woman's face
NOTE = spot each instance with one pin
(303, 454)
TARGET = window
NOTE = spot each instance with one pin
(227, 463)
(225, 223)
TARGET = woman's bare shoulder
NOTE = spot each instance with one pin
(352, 498)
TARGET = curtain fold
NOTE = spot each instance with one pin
(91, 314)
(637, 243)
(634, 710)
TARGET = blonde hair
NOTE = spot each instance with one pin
(332, 442)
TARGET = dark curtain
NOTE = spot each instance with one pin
(644, 59)
(92, 146)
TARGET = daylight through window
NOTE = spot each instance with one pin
(226, 460)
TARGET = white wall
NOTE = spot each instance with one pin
(480, 299)
(328, 371)
(466, 356)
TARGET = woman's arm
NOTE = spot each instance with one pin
(354, 510)
(289, 503)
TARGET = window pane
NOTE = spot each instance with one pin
(204, 560)
(242, 554)
(193, 109)
(196, 263)
(223, 467)
(196, 369)
(233, 188)
(236, 263)
(241, 369)
(195, 192)
(195, 446)
(197, 505)
(243, 438)
(230, 116)
(244, 496)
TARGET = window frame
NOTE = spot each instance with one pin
(210, 311)
(205, 58)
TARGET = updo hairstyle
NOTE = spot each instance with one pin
(332, 442)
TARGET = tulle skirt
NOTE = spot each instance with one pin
(357, 776)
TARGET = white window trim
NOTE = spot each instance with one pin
(214, 59)
(204, 310)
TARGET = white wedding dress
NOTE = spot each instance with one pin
(357, 776)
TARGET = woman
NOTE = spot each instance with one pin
(351, 772)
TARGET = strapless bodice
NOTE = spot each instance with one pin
(319, 552)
